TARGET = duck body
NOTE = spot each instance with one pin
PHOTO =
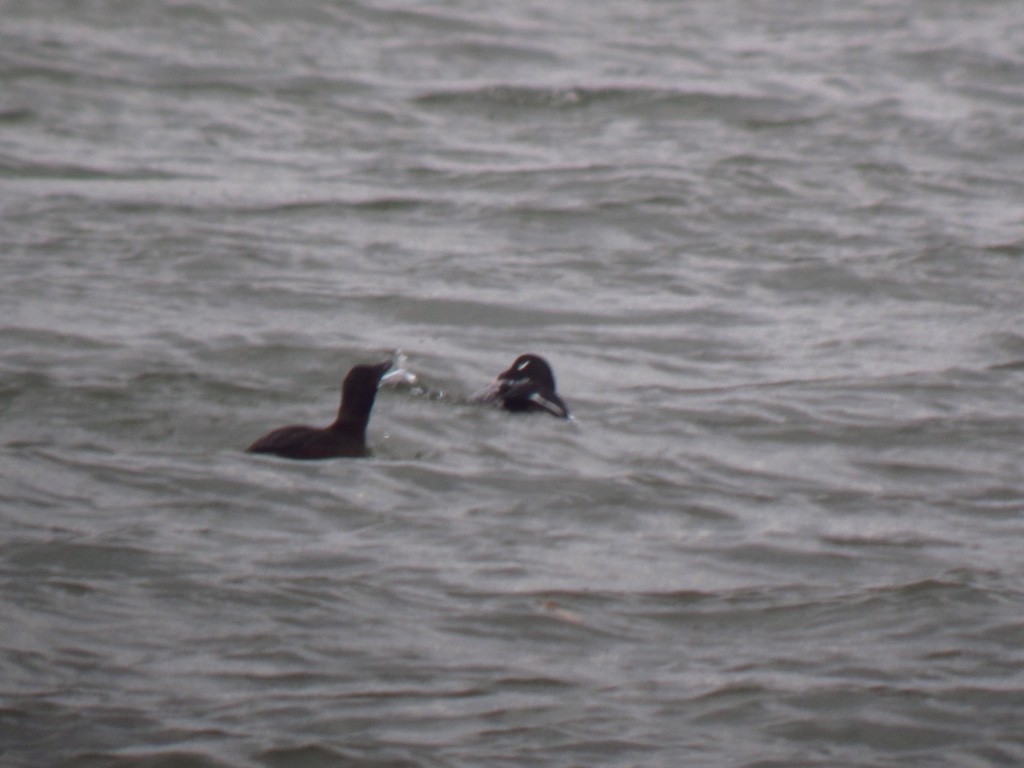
(345, 438)
(299, 441)
(527, 386)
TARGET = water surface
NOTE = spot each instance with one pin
(773, 252)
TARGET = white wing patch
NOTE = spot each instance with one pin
(547, 405)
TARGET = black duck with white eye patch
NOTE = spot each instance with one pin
(527, 386)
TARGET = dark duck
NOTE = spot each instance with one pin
(346, 437)
(527, 385)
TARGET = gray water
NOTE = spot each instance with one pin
(773, 251)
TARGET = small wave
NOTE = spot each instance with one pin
(17, 115)
(17, 168)
(651, 101)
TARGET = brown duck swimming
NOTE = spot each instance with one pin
(346, 437)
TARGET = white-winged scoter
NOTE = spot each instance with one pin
(527, 385)
(346, 437)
